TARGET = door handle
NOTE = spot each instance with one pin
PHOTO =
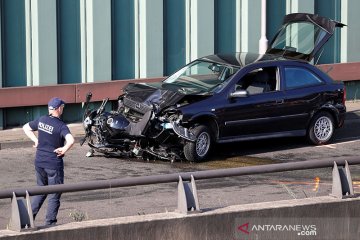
(280, 101)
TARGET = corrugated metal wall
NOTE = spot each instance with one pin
(100, 40)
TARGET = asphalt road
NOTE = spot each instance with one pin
(17, 171)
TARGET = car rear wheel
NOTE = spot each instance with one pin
(198, 150)
(321, 128)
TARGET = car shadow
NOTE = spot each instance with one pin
(249, 148)
(239, 149)
(350, 131)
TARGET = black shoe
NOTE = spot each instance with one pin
(50, 223)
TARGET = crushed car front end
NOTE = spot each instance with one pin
(148, 120)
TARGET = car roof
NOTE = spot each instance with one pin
(242, 59)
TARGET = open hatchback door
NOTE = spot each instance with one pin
(302, 35)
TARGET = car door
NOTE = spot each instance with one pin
(303, 94)
(258, 113)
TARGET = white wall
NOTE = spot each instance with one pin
(350, 34)
(41, 42)
(199, 28)
(95, 23)
(149, 38)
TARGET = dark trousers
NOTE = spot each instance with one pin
(48, 177)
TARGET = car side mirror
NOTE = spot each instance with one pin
(239, 94)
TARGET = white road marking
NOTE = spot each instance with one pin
(343, 141)
(328, 146)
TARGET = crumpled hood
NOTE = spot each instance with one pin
(140, 94)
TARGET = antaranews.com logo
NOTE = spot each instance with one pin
(273, 229)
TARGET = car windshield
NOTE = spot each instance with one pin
(199, 77)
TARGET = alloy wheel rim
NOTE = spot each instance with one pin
(202, 144)
(323, 128)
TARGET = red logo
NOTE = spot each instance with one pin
(244, 228)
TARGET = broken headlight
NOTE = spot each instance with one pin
(87, 122)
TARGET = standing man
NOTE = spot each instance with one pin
(51, 147)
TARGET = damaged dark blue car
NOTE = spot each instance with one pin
(226, 98)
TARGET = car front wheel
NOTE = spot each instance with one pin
(321, 128)
(200, 148)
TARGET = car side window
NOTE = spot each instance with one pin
(260, 80)
(299, 77)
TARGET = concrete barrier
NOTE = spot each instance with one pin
(312, 218)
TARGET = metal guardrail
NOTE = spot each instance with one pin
(174, 177)
(187, 197)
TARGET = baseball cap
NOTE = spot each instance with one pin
(55, 103)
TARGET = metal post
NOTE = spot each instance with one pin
(187, 197)
(342, 183)
(263, 42)
(21, 214)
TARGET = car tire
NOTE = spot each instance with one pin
(321, 128)
(199, 149)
